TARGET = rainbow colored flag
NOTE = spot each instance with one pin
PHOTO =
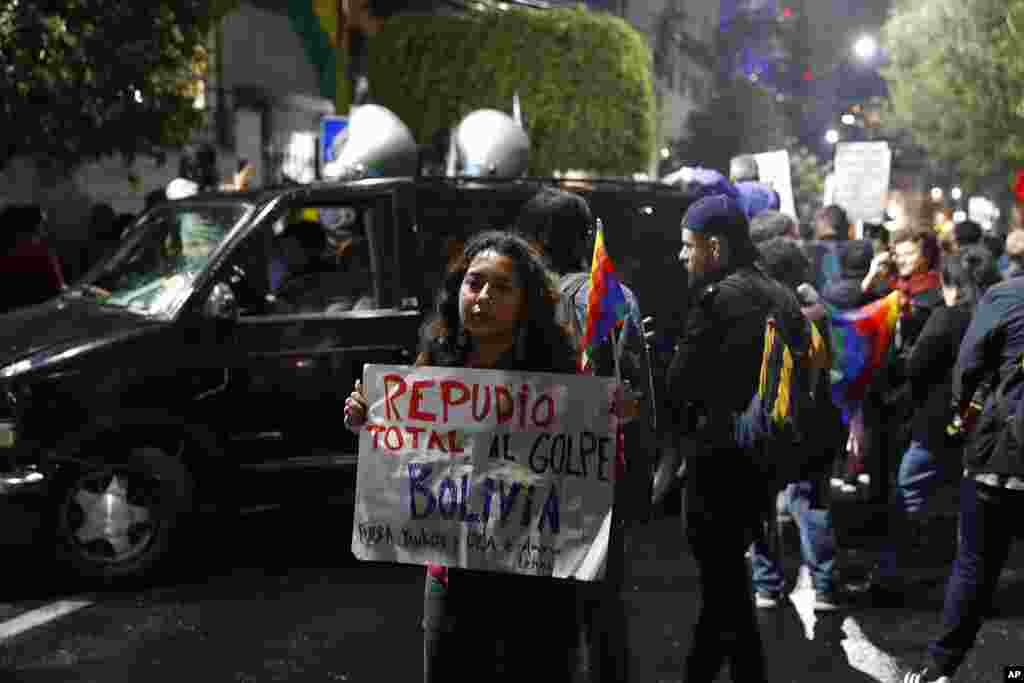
(860, 342)
(606, 305)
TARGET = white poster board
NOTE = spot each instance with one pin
(482, 469)
(773, 170)
(861, 186)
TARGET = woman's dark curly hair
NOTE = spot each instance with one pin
(971, 271)
(543, 343)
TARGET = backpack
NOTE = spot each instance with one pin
(997, 441)
(791, 427)
(569, 286)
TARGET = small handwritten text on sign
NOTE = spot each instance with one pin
(484, 469)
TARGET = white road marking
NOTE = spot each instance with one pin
(40, 616)
(866, 657)
(861, 653)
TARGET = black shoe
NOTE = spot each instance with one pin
(925, 675)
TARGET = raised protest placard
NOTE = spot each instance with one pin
(483, 469)
(861, 184)
(773, 170)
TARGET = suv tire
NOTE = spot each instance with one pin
(115, 519)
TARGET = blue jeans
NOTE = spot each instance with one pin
(920, 475)
(989, 520)
(817, 542)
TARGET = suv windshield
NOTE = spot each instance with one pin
(153, 271)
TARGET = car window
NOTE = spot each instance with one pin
(153, 271)
(320, 260)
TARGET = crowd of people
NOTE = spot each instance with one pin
(959, 333)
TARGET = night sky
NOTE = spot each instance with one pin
(839, 79)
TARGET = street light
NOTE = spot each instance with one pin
(832, 136)
(956, 193)
(849, 119)
(865, 48)
(936, 194)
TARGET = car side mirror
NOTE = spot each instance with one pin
(221, 302)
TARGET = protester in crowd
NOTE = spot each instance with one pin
(967, 233)
(498, 308)
(831, 227)
(752, 195)
(805, 500)
(878, 235)
(995, 242)
(561, 225)
(242, 180)
(1014, 254)
(845, 292)
(713, 376)
(197, 172)
(930, 461)
(30, 271)
(755, 198)
(911, 267)
(992, 487)
(770, 224)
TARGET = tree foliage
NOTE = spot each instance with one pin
(83, 79)
(807, 174)
(741, 118)
(583, 79)
(956, 80)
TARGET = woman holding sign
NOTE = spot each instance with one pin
(497, 309)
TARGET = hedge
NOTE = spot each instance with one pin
(584, 81)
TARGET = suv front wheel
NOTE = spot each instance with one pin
(115, 519)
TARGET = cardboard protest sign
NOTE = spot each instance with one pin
(861, 185)
(773, 170)
(483, 469)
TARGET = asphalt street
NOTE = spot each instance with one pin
(276, 595)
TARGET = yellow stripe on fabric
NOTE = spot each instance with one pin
(769, 342)
(781, 411)
(326, 11)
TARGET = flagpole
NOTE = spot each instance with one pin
(615, 353)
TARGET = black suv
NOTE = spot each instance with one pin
(221, 338)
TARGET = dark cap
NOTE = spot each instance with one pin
(716, 215)
(721, 215)
(967, 232)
